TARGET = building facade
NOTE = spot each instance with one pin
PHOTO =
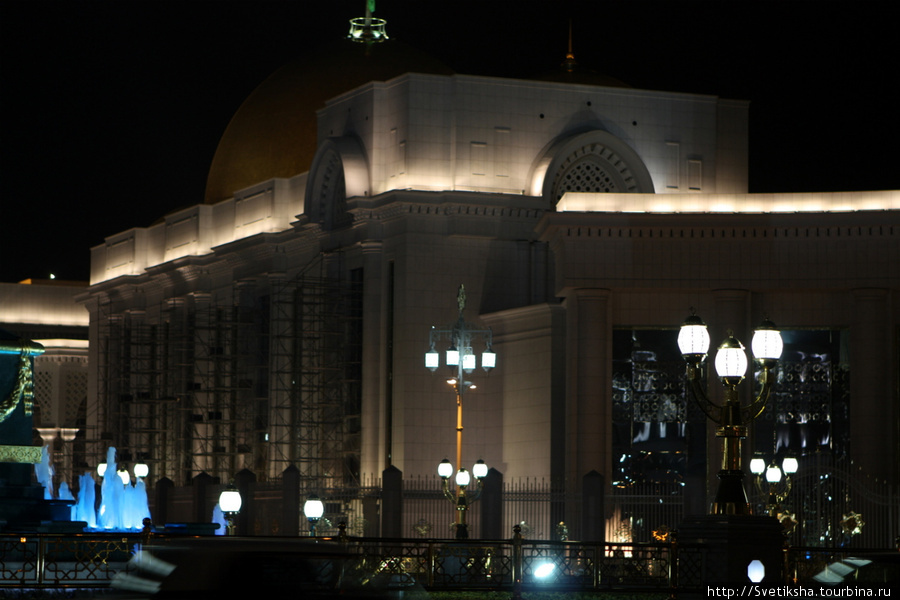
(287, 325)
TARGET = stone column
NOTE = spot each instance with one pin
(589, 394)
(48, 437)
(373, 450)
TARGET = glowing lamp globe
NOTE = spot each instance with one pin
(693, 339)
(773, 474)
(452, 357)
(790, 465)
(468, 362)
(445, 469)
(757, 465)
(480, 470)
(463, 478)
(731, 359)
(141, 470)
(488, 359)
(767, 343)
(101, 469)
(230, 500)
(313, 508)
(432, 359)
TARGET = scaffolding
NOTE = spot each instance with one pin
(262, 375)
(316, 377)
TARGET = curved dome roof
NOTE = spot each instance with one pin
(273, 133)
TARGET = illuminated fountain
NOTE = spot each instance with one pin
(123, 506)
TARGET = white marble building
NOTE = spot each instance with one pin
(287, 324)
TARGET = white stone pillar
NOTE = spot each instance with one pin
(374, 451)
(589, 393)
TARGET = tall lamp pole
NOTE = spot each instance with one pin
(461, 360)
(732, 417)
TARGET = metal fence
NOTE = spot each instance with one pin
(833, 502)
(94, 561)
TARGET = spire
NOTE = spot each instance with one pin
(569, 64)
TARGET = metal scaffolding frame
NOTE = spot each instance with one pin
(316, 375)
(263, 375)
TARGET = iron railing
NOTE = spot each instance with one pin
(91, 561)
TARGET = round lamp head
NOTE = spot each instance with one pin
(445, 469)
(313, 508)
(693, 339)
(773, 474)
(790, 465)
(480, 470)
(757, 465)
(141, 470)
(101, 469)
(463, 478)
(767, 343)
(731, 360)
(230, 500)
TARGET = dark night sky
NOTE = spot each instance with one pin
(109, 106)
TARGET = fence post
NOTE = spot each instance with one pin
(517, 562)
(391, 502)
(431, 564)
(492, 506)
(673, 564)
(290, 501)
(162, 496)
(244, 481)
(593, 526)
(199, 492)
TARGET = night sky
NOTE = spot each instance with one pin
(107, 107)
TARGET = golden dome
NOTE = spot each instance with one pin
(273, 133)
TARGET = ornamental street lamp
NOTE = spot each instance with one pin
(230, 505)
(461, 360)
(463, 495)
(778, 479)
(313, 508)
(731, 416)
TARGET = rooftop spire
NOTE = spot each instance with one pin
(569, 63)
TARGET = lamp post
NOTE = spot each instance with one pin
(732, 417)
(461, 360)
(313, 508)
(230, 505)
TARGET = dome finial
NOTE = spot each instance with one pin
(368, 29)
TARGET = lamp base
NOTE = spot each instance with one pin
(731, 499)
